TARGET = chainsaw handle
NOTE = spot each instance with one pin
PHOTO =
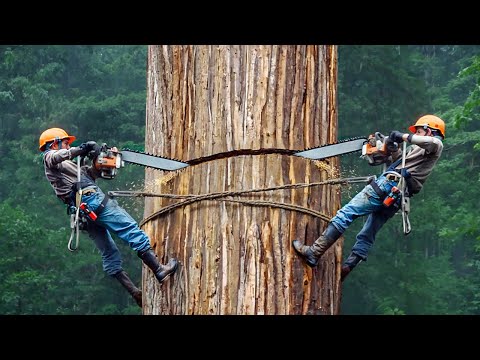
(379, 136)
(105, 149)
(82, 159)
(376, 139)
(381, 143)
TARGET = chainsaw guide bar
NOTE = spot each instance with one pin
(321, 152)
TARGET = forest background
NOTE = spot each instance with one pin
(98, 92)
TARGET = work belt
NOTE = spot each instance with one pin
(70, 200)
(88, 191)
(102, 205)
(100, 208)
(390, 177)
(393, 177)
(84, 183)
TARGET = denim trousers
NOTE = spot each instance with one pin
(367, 202)
(116, 220)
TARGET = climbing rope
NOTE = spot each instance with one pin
(75, 218)
(407, 228)
(220, 196)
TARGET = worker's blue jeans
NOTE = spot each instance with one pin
(113, 219)
(366, 202)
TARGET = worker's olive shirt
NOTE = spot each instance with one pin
(420, 159)
(61, 171)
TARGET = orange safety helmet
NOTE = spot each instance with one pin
(54, 134)
(431, 121)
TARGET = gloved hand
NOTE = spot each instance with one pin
(90, 148)
(396, 136)
(392, 146)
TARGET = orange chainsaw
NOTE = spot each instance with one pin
(377, 150)
(108, 161)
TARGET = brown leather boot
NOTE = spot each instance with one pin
(345, 271)
(349, 264)
(162, 272)
(311, 254)
(127, 283)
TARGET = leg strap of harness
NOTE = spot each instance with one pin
(102, 205)
(377, 189)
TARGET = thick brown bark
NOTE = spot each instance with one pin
(236, 258)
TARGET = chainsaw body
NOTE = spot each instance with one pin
(376, 150)
(108, 162)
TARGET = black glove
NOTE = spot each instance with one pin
(396, 136)
(90, 148)
(392, 146)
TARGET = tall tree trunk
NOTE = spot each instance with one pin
(236, 257)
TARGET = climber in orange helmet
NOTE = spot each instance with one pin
(61, 172)
(426, 138)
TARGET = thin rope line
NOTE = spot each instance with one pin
(189, 199)
(352, 180)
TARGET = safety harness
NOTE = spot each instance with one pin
(75, 215)
(405, 199)
(79, 219)
(400, 178)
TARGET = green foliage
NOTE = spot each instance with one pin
(470, 110)
(41, 276)
(95, 93)
(378, 88)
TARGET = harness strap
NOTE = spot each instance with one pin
(407, 228)
(75, 219)
(394, 164)
(102, 205)
(377, 189)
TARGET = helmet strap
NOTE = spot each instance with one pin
(436, 132)
(48, 145)
(59, 142)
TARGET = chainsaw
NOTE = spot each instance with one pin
(374, 148)
(377, 150)
(108, 161)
